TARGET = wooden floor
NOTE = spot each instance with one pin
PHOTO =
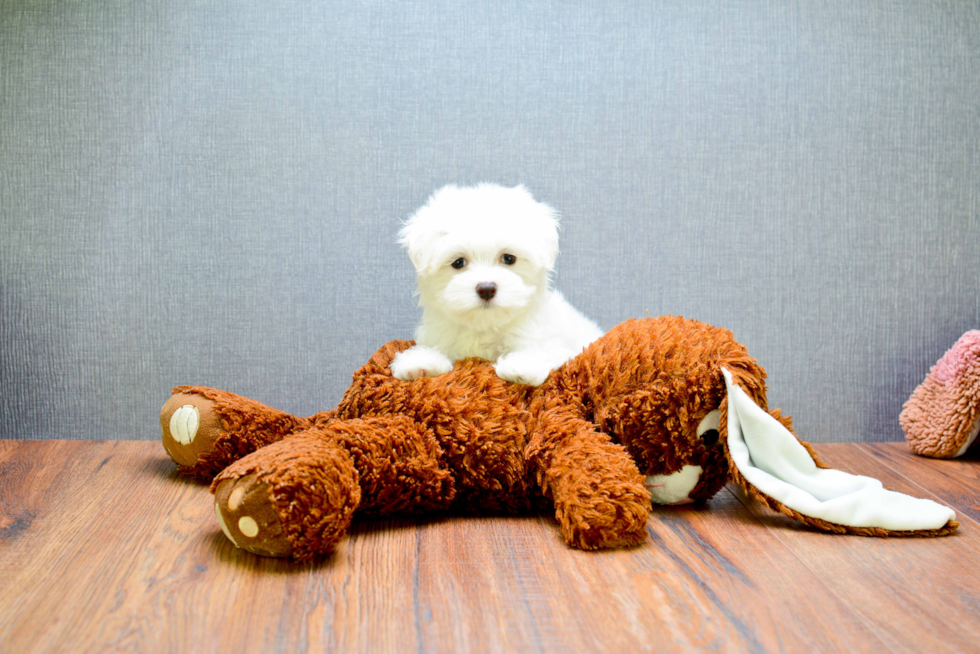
(103, 547)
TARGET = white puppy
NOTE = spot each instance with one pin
(483, 256)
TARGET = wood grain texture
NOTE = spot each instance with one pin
(103, 547)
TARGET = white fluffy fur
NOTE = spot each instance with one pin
(526, 328)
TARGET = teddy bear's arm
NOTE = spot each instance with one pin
(599, 495)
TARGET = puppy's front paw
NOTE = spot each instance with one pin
(523, 368)
(418, 362)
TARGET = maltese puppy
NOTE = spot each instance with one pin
(483, 256)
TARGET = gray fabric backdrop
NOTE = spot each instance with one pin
(208, 192)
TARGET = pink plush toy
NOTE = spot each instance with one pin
(942, 417)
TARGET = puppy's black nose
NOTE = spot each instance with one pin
(486, 290)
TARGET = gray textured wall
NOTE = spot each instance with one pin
(208, 192)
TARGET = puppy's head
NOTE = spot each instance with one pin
(482, 254)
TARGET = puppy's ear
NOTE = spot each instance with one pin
(544, 230)
(420, 233)
(418, 240)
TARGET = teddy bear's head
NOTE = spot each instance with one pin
(656, 386)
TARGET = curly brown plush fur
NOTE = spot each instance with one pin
(582, 443)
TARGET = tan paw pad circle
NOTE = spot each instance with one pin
(236, 497)
(184, 423)
(248, 526)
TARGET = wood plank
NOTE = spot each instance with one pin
(923, 591)
(104, 547)
(506, 584)
(93, 545)
(738, 587)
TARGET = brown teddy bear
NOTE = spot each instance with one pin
(662, 408)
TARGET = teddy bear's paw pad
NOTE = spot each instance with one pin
(247, 516)
(184, 423)
(190, 427)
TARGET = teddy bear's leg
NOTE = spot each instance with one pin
(599, 494)
(292, 498)
(205, 429)
(296, 497)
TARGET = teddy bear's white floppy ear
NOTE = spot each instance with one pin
(772, 462)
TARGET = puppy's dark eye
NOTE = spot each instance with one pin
(459, 263)
(508, 259)
(710, 437)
